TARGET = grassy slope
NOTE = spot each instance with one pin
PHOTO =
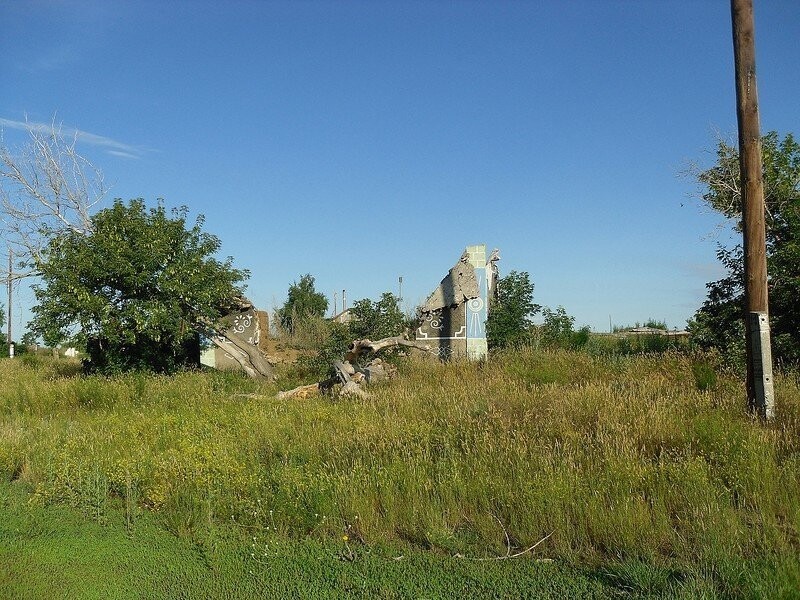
(642, 477)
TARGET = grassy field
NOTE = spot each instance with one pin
(643, 475)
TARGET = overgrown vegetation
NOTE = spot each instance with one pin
(650, 323)
(139, 288)
(511, 311)
(719, 322)
(368, 319)
(647, 470)
(303, 305)
(558, 330)
(152, 563)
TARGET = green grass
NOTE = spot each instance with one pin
(57, 552)
(647, 470)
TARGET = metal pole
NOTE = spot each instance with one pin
(760, 394)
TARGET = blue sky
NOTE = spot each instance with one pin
(363, 141)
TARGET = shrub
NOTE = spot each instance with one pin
(510, 312)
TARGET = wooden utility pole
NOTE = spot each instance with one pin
(760, 395)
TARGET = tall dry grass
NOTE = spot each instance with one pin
(620, 458)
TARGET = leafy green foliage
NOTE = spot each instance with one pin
(558, 330)
(303, 302)
(332, 348)
(377, 320)
(718, 323)
(510, 313)
(139, 288)
(29, 338)
(369, 320)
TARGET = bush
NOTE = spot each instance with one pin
(510, 312)
(558, 331)
(377, 320)
(303, 303)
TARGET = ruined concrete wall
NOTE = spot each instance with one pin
(248, 327)
(454, 315)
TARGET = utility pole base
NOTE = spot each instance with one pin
(763, 391)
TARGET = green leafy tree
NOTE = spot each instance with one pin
(303, 302)
(558, 329)
(139, 288)
(719, 322)
(29, 338)
(509, 322)
(558, 326)
(377, 320)
(369, 320)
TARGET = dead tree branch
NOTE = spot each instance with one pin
(507, 555)
(46, 188)
(350, 377)
(360, 347)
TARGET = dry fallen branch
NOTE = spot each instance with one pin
(351, 378)
(359, 347)
(304, 391)
(508, 554)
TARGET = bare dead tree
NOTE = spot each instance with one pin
(46, 187)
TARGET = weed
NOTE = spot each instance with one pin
(705, 378)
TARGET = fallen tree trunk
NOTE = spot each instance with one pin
(243, 359)
(304, 391)
(350, 377)
(359, 347)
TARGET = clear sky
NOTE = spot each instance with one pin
(363, 141)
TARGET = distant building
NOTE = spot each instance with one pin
(343, 317)
(654, 331)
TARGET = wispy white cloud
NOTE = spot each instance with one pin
(122, 154)
(110, 145)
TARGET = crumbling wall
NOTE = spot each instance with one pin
(453, 318)
(241, 342)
